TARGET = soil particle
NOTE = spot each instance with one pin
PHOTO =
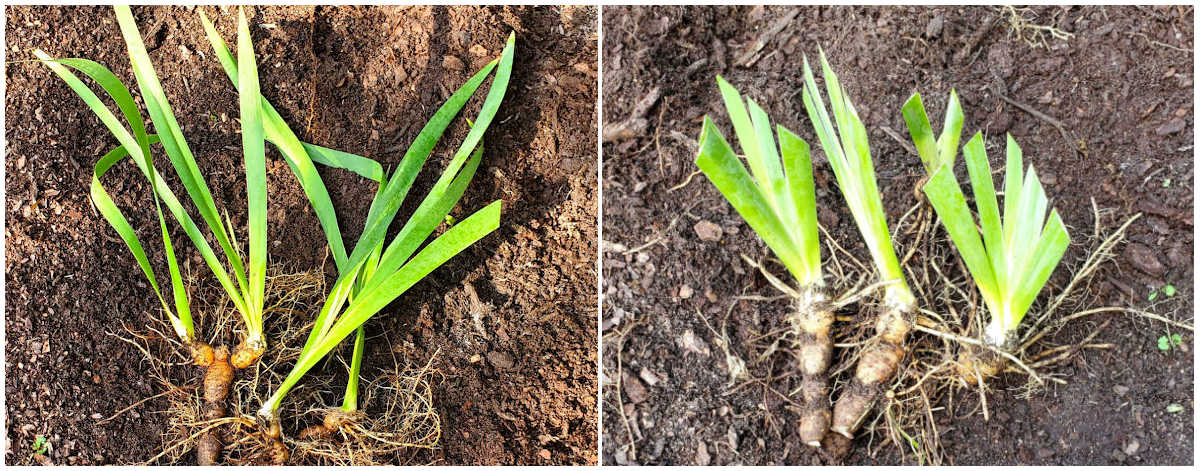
(1132, 448)
(452, 63)
(501, 360)
(1144, 258)
(702, 456)
(934, 28)
(693, 344)
(1000, 60)
(634, 390)
(706, 230)
(649, 377)
(1171, 127)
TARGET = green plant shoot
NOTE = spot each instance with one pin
(135, 143)
(375, 275)
(849, 154)
(934, 153)
(1017, 253)
(779, 200)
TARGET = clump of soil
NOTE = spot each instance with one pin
(683, 316)
(512, 319)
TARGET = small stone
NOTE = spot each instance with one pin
(934, 28)
(544, 454)
(452, 63)
(708, 231)
(685, 292)
(1132, 447)
(702, 456)
(618, 315)
(1159, 226)
(1171, 127)
(1044, 453)
(1121, 390)
(96, 416)
(478, 51)
(500, 360)
(649, 377)
(1144, 258)
(1048, 178)
(1118, 456)
(634, 389)
(475, 358)
(621, 458)
(693, 344)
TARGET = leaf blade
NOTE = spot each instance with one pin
(254, 151)
(722, 167)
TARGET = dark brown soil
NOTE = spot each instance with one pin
(522, 391)
(1122, 87)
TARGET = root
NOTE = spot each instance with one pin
(880, 359)
(1035, 35)
(202, 354)
(247, 353)
(214, 416)
(967, 342)
(216, 388)
(977, 364)
(948, 369)
(398, 419)
(943, 370)
(811, 321)
(334, 420)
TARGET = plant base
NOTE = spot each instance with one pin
(811, 320)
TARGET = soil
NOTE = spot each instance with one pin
(519, 390)
(1122, 87)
